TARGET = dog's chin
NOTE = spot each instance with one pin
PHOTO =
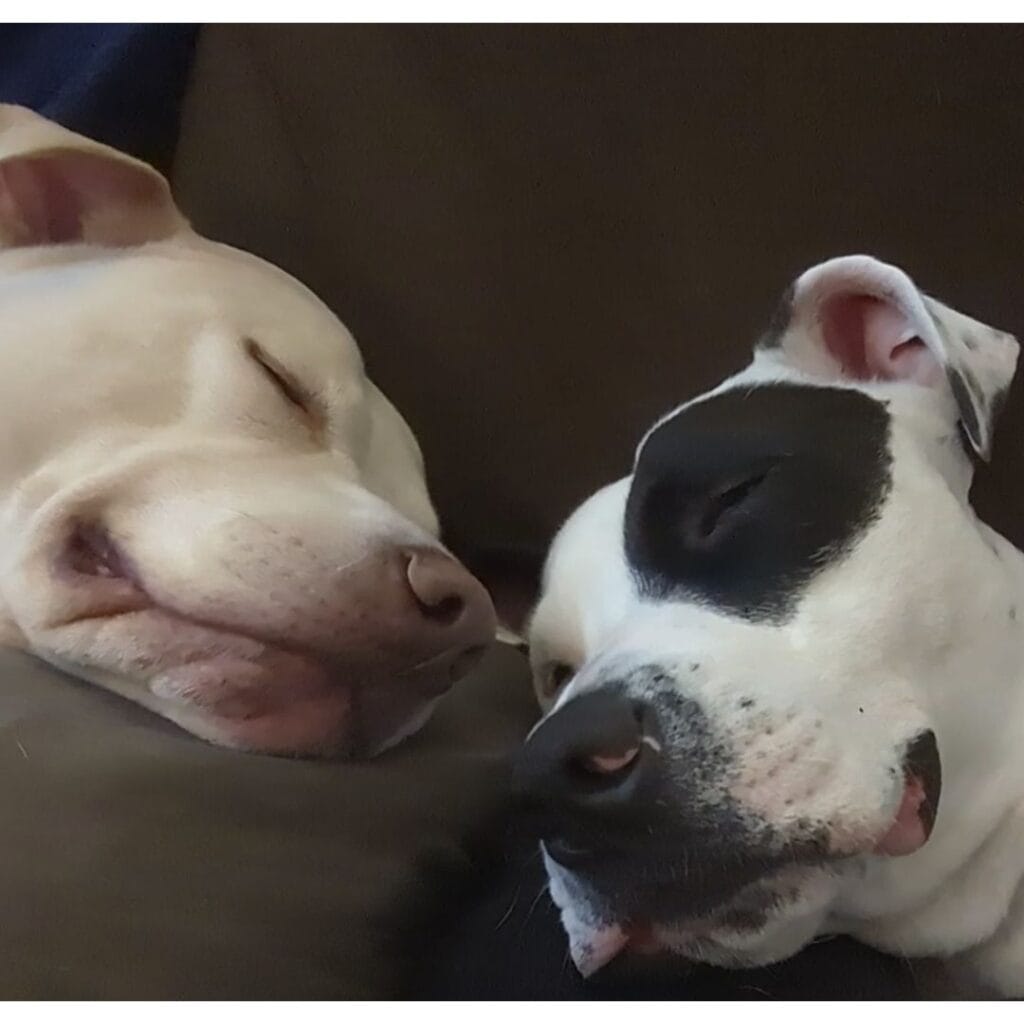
(764, 922)
(354, 722)
(327, 728)
(768, 922)
(247, 694)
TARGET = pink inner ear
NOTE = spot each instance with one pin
(51, 196)
(47, 208)
(873, 340)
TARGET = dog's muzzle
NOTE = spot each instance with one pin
(630, 799)
(615, 802)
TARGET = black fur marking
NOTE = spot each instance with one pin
(960, 382)
(741, 499)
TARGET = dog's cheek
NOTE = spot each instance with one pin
(794, 775)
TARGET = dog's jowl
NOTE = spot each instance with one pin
(205, 504)
(782, 661)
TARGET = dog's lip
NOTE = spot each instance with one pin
(907, 832)
(592, 944)
(446, 667)
(122, 591)
(248, 692)
(255, 686)
(247, 712)
(914, 816)
(89, 551)
(593, 947)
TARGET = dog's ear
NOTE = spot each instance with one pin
(58, 187)
(856, 318)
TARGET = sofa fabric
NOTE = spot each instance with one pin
(545, 236)
(140, 863)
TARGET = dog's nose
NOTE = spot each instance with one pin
(440, 585)
(449, 601)
(587, 772)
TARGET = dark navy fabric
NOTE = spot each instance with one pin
(120, 84)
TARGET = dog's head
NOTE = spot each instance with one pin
(205, 505)
(754, 650)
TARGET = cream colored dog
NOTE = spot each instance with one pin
(205, 505)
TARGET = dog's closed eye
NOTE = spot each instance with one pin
(289, 389)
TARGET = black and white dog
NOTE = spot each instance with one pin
(766, 652)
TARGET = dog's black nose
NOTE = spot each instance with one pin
(587, 773)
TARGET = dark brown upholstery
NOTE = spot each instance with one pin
(138, 862)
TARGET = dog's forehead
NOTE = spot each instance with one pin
(802, 471)
(174, 295)
(251, 291)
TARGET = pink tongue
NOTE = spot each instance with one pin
(907, 833)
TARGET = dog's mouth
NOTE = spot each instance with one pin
(232, 687)
(90, 551)
(98, 578)
(728, 934)
(914, 818)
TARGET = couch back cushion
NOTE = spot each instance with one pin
(545, 236)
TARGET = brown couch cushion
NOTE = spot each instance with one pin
(138, 862)
(543, 236)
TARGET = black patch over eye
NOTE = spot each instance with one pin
(740, 499)
(287, 387)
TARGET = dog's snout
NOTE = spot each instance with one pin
(586, 769)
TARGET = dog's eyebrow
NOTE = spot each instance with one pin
(292, 389)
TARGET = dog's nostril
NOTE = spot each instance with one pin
(588, 754)
(438, 584)
(89, 551)
(608, 763)
(445, 611)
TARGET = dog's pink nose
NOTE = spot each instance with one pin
(451, 603)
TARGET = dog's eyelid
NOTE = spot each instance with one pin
(286, 384)
(284, 381)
